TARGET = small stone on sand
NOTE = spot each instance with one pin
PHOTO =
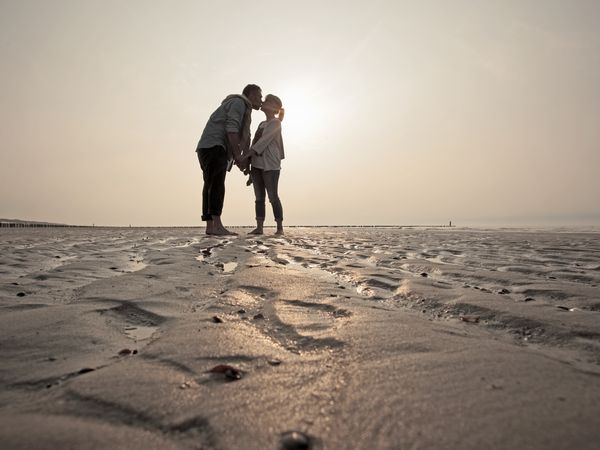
(294, 440)
(230, 372)
(469, 319)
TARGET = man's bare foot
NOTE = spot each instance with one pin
(279, 232)
(222, 231)
(209, 227)
(257, 231)
(218, 229)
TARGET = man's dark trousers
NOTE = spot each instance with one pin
(213, 162)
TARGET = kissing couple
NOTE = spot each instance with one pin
(226, 141)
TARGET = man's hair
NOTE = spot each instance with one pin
(250, 88)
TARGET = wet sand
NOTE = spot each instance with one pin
(355, 338)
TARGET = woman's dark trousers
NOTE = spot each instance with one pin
(266, 180)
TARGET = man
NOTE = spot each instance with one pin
(225, 137)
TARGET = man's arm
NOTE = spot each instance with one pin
(233, 144)
(233, 125)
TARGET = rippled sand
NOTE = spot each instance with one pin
(355, 337)
(539, 286)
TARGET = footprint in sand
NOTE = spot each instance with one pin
(140, 333)
(139, 324)
(228, 267)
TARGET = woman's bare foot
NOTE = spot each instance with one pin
(257, 231)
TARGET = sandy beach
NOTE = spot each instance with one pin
(354, 338)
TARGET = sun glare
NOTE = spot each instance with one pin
(303, 115)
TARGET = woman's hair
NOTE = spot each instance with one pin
(277, 102)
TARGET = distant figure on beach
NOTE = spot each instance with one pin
(225, 138)
(265, 156)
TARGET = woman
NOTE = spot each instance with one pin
(266, 154)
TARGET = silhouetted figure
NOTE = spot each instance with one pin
(224, 139)
(265, 155)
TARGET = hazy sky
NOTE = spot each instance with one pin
(397, 112)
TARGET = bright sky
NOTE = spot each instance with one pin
(397, 112)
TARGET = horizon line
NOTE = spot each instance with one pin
(33, 224)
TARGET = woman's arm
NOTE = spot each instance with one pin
(271, 131)
(259, 132)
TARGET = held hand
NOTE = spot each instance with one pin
(248, 154)
(242, 164)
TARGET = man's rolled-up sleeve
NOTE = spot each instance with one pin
(235, 116)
